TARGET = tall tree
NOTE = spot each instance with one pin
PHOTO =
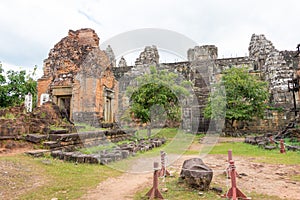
(157, 96)
(242, 95)
(15, 85)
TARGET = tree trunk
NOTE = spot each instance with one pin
(149, 129)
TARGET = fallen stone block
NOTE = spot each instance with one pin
(196, 174)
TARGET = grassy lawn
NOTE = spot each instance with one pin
(260, 155)
(60, 179)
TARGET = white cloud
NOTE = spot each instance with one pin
(29, 29)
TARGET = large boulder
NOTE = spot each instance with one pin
(196, 174)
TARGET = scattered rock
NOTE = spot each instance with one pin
(218, 190)
(47, 162)
(242, 174)
(270, 147)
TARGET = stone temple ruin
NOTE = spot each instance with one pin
(78, 78)
(89, 85)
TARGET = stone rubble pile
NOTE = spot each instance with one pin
(110, 155)
(265, 142)
(15, 122)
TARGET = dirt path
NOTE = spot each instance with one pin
(259, 178)
(121, 188)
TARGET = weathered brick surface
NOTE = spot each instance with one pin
(77, 64)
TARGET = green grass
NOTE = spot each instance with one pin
(260, 155)
(96, 149)
(177, 143)
(8, 116)
(56, 128)
(180, 191)
(293, 142)
(61, 179)
(295, 177)
(87, 127)
(167, 133)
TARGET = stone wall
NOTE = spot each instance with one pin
(77, 64)
(197, 72)
(204, 68)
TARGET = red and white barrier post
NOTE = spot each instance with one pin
(282, 148)
(234, 193)
(163, 171)
(154, 191)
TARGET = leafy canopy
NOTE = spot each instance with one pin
(239, 96)
(157, 93)
(15, 85)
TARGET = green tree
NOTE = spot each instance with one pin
(15, 85)
(239, 96)
(157, 96)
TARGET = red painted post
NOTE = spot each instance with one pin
(154, 191)
(163, 171)
(234, 193)
(229, 159)
(229, 155)
(282, 148)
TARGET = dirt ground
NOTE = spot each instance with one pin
(12, 147)
(13, 175)
(270, 179)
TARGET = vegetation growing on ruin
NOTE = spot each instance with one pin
(239, 96)
(156, 97)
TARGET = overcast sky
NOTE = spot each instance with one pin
(29, 29)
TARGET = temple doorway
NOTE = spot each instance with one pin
(108, 106)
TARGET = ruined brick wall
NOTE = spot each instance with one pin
(65, 58)
(77, 64)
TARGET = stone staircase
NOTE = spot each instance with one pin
(60, 140)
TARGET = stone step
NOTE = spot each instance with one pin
(35, 138)
(37, 153)
(60, 131)
(108, 155)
